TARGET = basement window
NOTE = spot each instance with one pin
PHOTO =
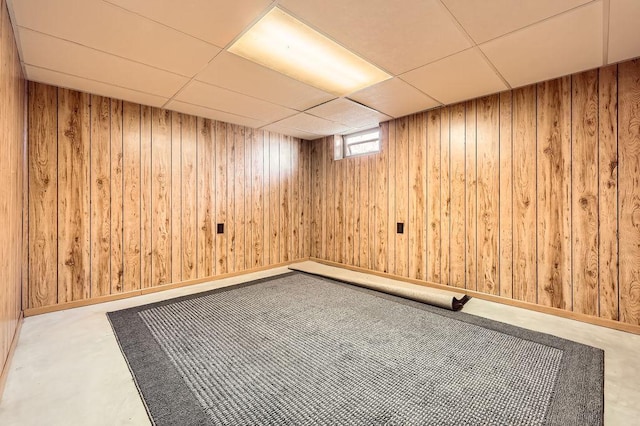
(361, 143)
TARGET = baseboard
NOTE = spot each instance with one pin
(102, 299)
(7, 363)
(603, 322)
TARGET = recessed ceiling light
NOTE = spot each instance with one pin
(282, 43)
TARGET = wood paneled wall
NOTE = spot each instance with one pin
(124, 197)
(12, 169)
(531, 194)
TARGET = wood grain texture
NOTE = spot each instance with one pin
(205, 214)
(15, 174)
(608, 191)
(554, 193)
(176, 197)
(43, 194)
(161, 196)
(285, 192)
(418, 172)
(350, 209)
(220, 211)
(327, 194)
(154, 185)
(457, 277)
(257, 198)
(584, 192)
(117, 200)
(533, 172)
(146, 197)
(188, 199)
(445, 199)
(100, 193)
(363, 235)
(391, 201)
(488, 203)
(74, 271)
(433, 197)
(629, 189)
(524, 195)
(402, 196)
(506, 195)
(381, 239)
(132, 252)
(471, 196)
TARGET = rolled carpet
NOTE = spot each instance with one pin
(431, 296)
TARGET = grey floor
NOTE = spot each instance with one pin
(68, 369)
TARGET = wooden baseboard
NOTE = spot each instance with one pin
(603, 322)
(102, 299)
(7, 362)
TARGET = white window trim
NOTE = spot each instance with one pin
(341, 148)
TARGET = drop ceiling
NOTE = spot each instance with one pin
(173, 54)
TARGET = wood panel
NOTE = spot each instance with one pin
(488, 204)
(100, 193)
(205, 186)
(584, 192)
(506, 195)
(445, 199)
(257, 198)
(524, 195)
(608, 191)
(433, 197)
(471, 196)
(188, 198)
(161, 196)
(74, 271)
(629, 189)
(457, 267)
(43, 194)
(381, 239)
(176, 197)
(417, 229)
(117, 198)
(402, 196)
(130, 195)
(146, 197)
(554, 193)
(530, 194)
(132, 253)
(15, 173)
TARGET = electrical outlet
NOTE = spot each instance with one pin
(400, 228)
(220, 228)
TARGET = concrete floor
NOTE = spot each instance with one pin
(68, 369)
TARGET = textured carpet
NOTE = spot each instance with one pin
(298, 349)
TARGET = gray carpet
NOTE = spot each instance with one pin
(303, 350)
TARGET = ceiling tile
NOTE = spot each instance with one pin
(199, 111)
(312, 124)
(291, 132)
(462, 76)
(240, 75)
(488, 19)
(95, 87)
(213, 97)
(395, 37)
(624, 30)
(105, 27)
(214, 21)
(70, 58)
(395, 98)
(562, 45)
(349, 113)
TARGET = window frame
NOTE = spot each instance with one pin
(344, 145)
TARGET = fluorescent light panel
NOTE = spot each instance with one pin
(284, 44)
